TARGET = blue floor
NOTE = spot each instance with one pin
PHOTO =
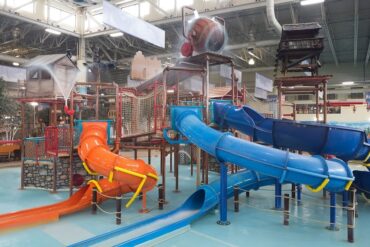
(255, 225)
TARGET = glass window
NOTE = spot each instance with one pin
(132, 10)
(167, 5)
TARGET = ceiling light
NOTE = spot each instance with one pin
(170, 91)
(114, 35)
(309, 2)
(15, 64)
(347, 83)
(52, 31)
(34, 104)
(251, 61)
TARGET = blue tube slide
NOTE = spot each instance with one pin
(345, 143)
(315, 171)
(197, 205)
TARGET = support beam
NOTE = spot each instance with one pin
(293, 14)
(219, 11)
(355, 35)
(37, 22)
(328, 35)
(367, 55)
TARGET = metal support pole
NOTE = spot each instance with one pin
(206, 163)
(299, 194)
(351, 216)
(23, 135)
(293, 191)
(160, 196)
(191, 160)
(277, 195)
(236, 198)
(135, 150)
(223, 195)
(176, 167)
(345, 198)
(94, 206)
(171, 159)
(118, 210)
(149, 150)
(286, 209)
(332, 226)
(163, 170)
(280, 104)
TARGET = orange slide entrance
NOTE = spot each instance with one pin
(124, 176)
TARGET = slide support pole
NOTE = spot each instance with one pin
(223, 195)
(345, 198)
(332, 226)
(299, 194)
(277, 195)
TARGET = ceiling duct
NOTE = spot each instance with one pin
(271, 18)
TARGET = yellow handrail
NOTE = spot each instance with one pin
(320, 187)
(348, 185)
(138, 190)
(97, 185)
(88, 169)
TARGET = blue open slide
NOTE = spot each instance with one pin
(345, 143)
(315, 172)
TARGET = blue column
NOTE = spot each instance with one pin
(299, 194)
(332, 225)
(345, 198)
(223, 195)
(277, 195)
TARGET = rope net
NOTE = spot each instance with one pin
(141, 114)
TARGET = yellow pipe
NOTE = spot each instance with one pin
(128, 204)
(97, 185)
(110, 177)
(152, 176)
(320, 187)
(88, 169)
(366, 159)
(348, 185)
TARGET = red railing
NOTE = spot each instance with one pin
(57, 140)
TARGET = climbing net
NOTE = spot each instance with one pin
(141, 114)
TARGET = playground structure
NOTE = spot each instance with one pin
(159, 115)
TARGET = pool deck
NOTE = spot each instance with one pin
(255, 225)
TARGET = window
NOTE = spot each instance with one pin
(181, 3)
(144, 9)
(304, 97)
(57, 14)
(132, 10)
(18, 3)
(69, 21)
(332, 96)
(167, 5)
(356, 96)
(93, 22)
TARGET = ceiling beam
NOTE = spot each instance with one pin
(262, 43)
(355, 35)
(328, 35)
(16, 15)
(220, 11)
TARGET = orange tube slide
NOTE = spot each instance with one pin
(125, 175)
(93, 150)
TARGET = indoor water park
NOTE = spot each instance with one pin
(181, 122)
